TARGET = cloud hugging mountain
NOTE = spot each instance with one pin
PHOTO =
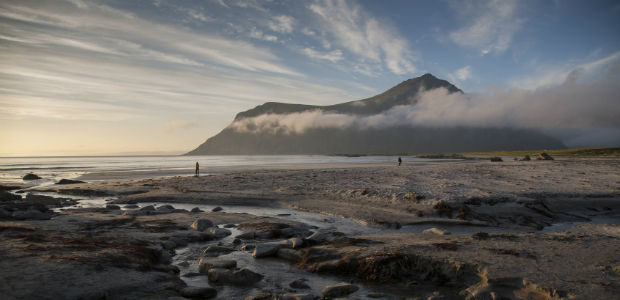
(420, 115)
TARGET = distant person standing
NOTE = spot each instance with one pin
(197, 169)
(399, 161)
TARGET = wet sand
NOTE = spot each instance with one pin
(523, 199)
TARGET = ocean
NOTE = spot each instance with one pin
(52, 169)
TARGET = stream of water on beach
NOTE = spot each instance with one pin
(277, 272)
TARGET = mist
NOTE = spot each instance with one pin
(577, 111)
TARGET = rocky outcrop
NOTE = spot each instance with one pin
(6, 196)
(338, 290)
(269, 249)
(198, 292)
(208, 263)
(31, 177)
(201, 224)
(69, 181)
(241, 277)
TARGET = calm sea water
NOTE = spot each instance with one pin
(53, 169)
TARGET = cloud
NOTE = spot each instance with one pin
(364, 36)
(178, 125)
(569, 105)
(545, 75)
(92, 62)
(490, 25)
(333, 56)
(282, 24)
(258, 34)
(463, 73)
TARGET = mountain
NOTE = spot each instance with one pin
(395, 139)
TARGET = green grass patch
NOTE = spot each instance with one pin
(591, 152)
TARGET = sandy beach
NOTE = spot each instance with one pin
(462, 229)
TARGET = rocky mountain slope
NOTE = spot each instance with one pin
(352, 139)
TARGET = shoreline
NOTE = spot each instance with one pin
(513, 200)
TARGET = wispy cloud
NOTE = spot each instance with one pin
(178, 125)
(463, 73)
(366, 37)
(93, 62)
(489, 25)
(282, 24)
(545, 74)
(258, 34)
(333, 56)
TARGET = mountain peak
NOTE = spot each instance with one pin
(405, 93)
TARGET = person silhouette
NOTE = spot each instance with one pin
(197, 169)
(399, 161)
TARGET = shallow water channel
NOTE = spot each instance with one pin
(278, 273)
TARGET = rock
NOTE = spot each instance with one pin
(148, 208)
(261, 296)
(198, 292)
(338, 290)
(230, 225)
(31, 177)
(131, 202)
(192, 274)
(72, 221)
(219, 249)
(156, 213)
(246, 235)
(298, 284)
(183, 264)
(134, 213)
(376, 295)
(112, 206)
(289, 254)
(196, 209)
(201, 237)
(287, 232)
(45, 200)
(69, 181)
(201, 224)
(217, 209)
(219, 231)
(436, 231)
(527, 158)
(297, 242)
(169, 245)
(6, 196)
(241, 277)
(248, 248)
(33, 215)
(168, 268)
(178, 241)
(299, 297)
(544, 156)
(236, 241)
(269, 249)
(166, 207)
(131, 206)
(616, 270)
(338, 233)
(208, 263)
(317, 237)
(5, 212)
(496, 159)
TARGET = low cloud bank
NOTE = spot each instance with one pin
(572, 105)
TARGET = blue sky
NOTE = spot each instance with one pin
(160, 77)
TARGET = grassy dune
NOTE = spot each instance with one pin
(592, 152)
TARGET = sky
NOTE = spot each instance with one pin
(150, 77)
